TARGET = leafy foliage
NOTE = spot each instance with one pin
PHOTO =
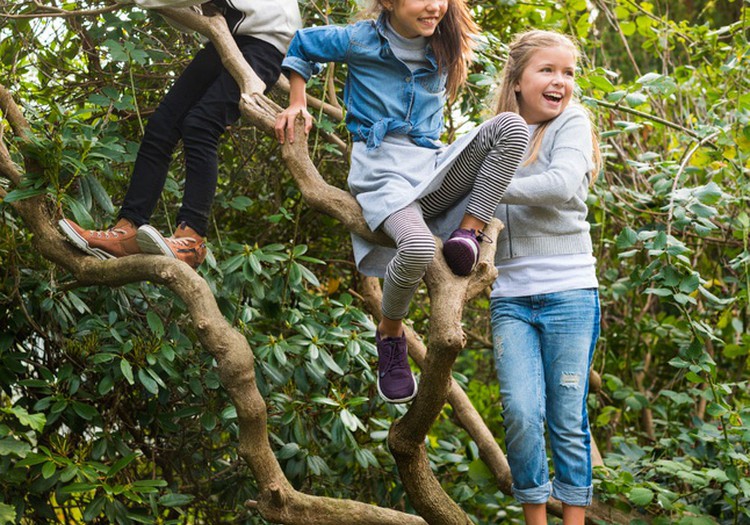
(111, 413)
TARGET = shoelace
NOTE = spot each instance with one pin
(182, 241)
(394, 359)
(116, 232)
(482, 237)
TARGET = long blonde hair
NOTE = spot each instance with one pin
(520, 52)
(452, 43)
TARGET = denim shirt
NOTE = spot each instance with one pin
(381, 94)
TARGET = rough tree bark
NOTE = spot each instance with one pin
(277, 500)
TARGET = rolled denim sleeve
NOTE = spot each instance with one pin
(313, 46)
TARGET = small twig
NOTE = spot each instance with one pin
(619, 107)
(55, 12)
(616, 25)
(676, 180)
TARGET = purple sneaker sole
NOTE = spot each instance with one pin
(461, 252)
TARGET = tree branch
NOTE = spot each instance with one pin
(235, 366)
(55, 12)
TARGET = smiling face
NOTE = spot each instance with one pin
(546, 84)
(413, 18)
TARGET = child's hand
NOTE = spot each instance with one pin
(285, 122)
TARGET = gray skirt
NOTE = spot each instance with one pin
(389, 178)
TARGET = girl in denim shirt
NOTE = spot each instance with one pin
(544, 303)
(401, 67)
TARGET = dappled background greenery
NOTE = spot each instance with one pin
(111, 413)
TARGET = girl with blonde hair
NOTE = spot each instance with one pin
(545, 303)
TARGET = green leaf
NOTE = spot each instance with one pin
(628, 28)
(105, 385)
(94, 508)
(127, 371)
(709, 194)
(636, 99)
(601, 82)
(295, 275)
(48, 469)
(155, 323)
(80, 213)
(254, 263)
(175, 500)
(148, 382)
(308, 276)
(21, 194)
(35, 421)
(209, 421)
(241, 202)
(349, 420)
(324, 400)
(121, 464)
(7, 514)
(641, 496)
(100, 194)
(10, 445)
(77, 488)
(627, 238)
(84, 410)
(330, 363)
(649, 77)
(288, 451)
(149, 483)
(479, 472)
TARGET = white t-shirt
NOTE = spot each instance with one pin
(534, 275)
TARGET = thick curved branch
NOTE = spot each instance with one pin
(235, 365)
(20, 127)
(12, 113)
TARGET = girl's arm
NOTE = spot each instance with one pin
(570, 161)
(308, 48)
(297, 105)
(556, 185)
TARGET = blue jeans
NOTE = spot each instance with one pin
(543, 349)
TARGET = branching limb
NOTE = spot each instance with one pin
(278, 500)
(12, 113)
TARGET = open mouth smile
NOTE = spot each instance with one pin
(428, 21)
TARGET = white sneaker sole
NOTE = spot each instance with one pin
(151, 241)
(401, 400)
(82, 244)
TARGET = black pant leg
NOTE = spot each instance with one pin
(162, 133)
(207, 120)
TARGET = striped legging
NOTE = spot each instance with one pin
(483, 169)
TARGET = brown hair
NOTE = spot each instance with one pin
(452, 43)
(520, 52)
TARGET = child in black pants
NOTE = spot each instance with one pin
(203, 101)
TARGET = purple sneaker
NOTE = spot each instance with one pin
(396, 383)
(461, 250)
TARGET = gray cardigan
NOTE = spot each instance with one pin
(544, 208)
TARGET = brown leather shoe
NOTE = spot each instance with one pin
(118, 241)
(185, 245)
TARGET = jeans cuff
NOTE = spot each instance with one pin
(533, 495)
(570, 495)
